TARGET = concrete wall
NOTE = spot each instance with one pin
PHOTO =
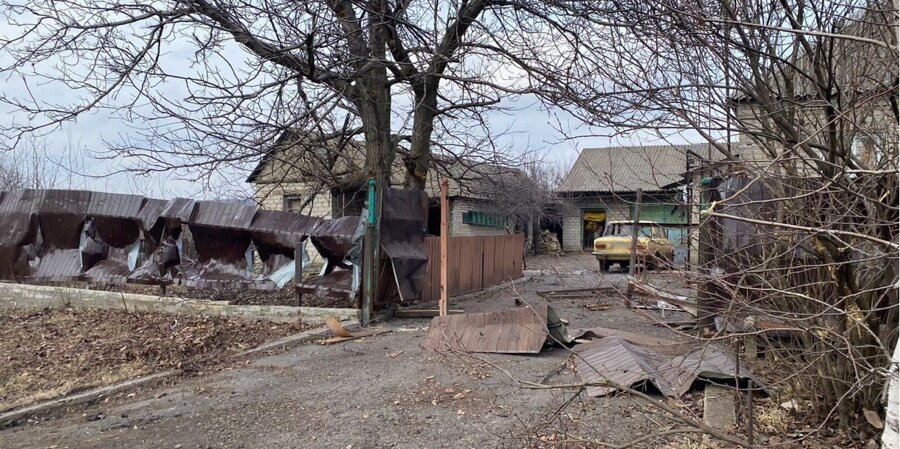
(42, 296)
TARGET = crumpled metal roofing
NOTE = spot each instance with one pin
(64, 235)
(670, 369)
(403, 239)
(18, 219)
(61, 216)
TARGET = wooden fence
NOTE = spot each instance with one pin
(476, 263)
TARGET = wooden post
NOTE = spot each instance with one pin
(370, 257)
(635, 228)
(445, 237)
(298, 272)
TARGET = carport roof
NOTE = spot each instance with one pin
(627, 169)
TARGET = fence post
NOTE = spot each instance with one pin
(445, 236)
(635, 228)
(370, 261)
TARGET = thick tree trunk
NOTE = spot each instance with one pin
(419, 158)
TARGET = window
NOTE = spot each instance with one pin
(476, 218)
(292, 203)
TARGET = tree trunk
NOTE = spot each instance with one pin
(419, 159)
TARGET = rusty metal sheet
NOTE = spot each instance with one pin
(150, 212)
(514, 331)
(222, 241)
(670, 369)
(596, 333)
(114, 205)
(403, 239)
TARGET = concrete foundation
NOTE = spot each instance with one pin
(41, 296)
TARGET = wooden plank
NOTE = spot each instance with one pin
(487, 266)
(445, 235)
(455, 250)
(478, 264)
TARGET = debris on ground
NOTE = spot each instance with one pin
(665, 300)
(576, 293)
(595, 333)
(341, 334)
(627, 364)
(522, 330)
(53, 352)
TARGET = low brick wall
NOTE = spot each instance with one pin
(41, 296)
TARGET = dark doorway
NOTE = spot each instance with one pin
(434, 217)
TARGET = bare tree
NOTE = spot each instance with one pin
(244, 72)
(799, 101)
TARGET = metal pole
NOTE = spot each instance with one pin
(298, 272)
(635, 227)
(369, 257)
(445, 237)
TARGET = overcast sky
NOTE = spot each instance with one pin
(71, 148)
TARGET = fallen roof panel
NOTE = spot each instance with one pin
(514, 331)
(671, 369)
(620, 362)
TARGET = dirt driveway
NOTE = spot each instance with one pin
(382, 391)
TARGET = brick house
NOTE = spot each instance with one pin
(326, 183)
(602, 186)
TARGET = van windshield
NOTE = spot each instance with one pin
(624, 230)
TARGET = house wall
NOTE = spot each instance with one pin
(271, 197)
(459, 206)
(617, 207)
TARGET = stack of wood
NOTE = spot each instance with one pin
(549, 243)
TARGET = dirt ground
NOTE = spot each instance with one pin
(52, 352)
(387, 392)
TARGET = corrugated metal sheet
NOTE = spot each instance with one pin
(627, 169)
(18, 219)
(671, 369)
(275, 235)
(514, 331)
(336, 284)
(281, 228)
(115, 205)
(334, 238)
(403, 239)
(180, 209)
(222, 214)
(620, 362)
(150, 212)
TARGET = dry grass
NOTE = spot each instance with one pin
(52, 352)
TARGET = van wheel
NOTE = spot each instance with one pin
(602, 265)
